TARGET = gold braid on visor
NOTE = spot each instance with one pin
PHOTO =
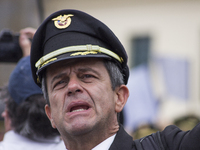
(78, 50)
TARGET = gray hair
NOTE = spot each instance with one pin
(44, 88)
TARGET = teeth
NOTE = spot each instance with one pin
(78, 110)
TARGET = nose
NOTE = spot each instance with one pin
(74, 86)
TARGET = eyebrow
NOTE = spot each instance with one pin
(83, 70)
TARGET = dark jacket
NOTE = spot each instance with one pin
(122, 141)
(175, 139)
(171, 138)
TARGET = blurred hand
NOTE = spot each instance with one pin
(24, 40)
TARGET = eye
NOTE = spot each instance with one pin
(60, 84)
(87, 77)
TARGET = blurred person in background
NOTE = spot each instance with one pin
(26, 124)
(144, 130)
(187, 122)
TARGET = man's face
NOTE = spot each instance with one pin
(81, 97)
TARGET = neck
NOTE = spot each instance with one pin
(89, 140)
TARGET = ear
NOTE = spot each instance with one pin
(7, 120)
(122, 96)
(48, 113)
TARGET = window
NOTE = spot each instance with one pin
(140, 50)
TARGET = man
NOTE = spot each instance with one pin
(26, 124)
(82, 68)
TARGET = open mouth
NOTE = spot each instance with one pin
(79, 108)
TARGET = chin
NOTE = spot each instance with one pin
(80, 129)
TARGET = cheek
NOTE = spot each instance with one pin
(56, 97)
(103, 98)
(56, 102)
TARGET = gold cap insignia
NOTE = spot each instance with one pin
(62, 22)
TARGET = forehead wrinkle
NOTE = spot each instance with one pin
(73, 65)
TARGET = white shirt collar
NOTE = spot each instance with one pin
(105, 145)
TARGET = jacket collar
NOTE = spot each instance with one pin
(122, 141)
